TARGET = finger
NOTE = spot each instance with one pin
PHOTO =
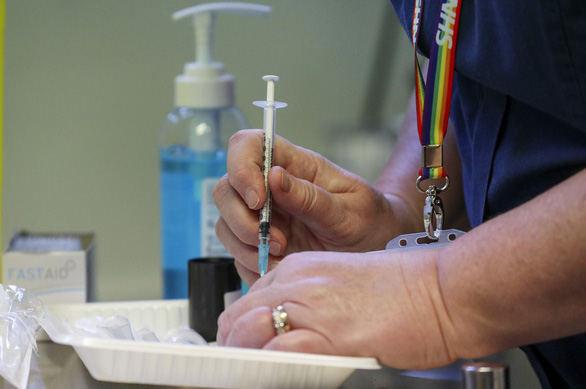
(311, 204)
(240, 223)
(239, 219)
(301, 340)
(253, 329)
(248, 276)
(244, 253)
(246, 257)
(311, 166)
(245, 160)
(253, 299)
(264, 281)
(244, 167)
(251, 275)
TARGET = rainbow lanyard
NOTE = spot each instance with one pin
(433, 100)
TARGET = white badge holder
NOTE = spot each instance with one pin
(420, 241)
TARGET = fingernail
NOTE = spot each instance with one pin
(251, 198)
(274, 248)
(285, 182)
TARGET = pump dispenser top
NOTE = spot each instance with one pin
(204, 83)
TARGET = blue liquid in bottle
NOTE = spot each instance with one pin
(184, 180)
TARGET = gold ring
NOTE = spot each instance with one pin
(281, 320)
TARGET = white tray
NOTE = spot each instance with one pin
(189, 365)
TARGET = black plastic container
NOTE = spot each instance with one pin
(212, 283)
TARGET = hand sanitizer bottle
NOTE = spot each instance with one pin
(192, 155)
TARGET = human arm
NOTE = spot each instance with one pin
(515, 280)
(519, 278)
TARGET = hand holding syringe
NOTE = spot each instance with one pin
(270, 106)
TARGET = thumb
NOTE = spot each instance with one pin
(311, 204)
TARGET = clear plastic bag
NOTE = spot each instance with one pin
(119, 327)
(20, 316)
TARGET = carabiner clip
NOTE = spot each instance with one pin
(433, 208)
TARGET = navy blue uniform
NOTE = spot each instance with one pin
(519, 112)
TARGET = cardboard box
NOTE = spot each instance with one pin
(57, 268)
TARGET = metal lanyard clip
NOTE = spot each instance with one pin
(433, 208)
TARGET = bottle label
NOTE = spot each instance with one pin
(210, 244)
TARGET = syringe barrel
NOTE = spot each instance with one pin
(269, 120)
(270, 107)
(267, 164)
(268, 142)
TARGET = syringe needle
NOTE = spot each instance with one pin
(270, 106)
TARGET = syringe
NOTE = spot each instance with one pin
(270, 106)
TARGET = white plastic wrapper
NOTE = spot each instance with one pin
(119, 327)
(20, 316)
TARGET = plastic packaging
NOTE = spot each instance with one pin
(192, 156)
(20, 316)
(189, 365)
(120, 327)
